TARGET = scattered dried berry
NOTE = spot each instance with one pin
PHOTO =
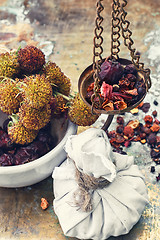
(142, 135)
(154, 113)
(148, 119)
(146, 130)
(44, 203)
(120, 129)
(152, 169)
(155, 127)
(151, 139)
(128, 131)
(145, 108)
(155, 103)
(136, 131)
(120, 120)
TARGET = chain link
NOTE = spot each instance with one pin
(119, 23)
(115, 29)
(97, 51)
(128, 42)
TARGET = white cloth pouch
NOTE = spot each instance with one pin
(117, 207)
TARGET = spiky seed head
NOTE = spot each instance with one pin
(79, 113)
(31, 59)
(21, 135)
(33, 118)
(37, 91)
(58, 106)
(10, 96)
(9, 65)
(58, 78)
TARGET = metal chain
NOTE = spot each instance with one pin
(128, 42)
(126, 33)
(119, 22)
(97, 51)
(115, 29)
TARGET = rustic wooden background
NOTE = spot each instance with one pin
(64, 30)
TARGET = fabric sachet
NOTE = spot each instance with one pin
(115, 206)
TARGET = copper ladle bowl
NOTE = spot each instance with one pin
(86, 79)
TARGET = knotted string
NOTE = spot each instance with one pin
(87, 185)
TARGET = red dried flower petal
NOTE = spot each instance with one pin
(155, 127)
(90, 87)
(132, 92)
(106, 90)
(108, 107)
(120, 105)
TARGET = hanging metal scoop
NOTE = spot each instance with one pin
(91, 73)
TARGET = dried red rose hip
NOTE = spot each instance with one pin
(151, 139)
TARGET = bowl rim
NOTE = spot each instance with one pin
(71, 128)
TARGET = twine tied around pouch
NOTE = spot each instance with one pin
(87, 184)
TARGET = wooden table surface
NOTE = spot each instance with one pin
(64, 30)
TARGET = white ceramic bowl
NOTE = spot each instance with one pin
(41, 168)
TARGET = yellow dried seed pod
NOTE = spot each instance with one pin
(80, 113)
(58, 106)
(21, 135)
(57, 78)
(37, 91)
(9, 65)
(33, 118)
(31, 59)
(10, 97)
